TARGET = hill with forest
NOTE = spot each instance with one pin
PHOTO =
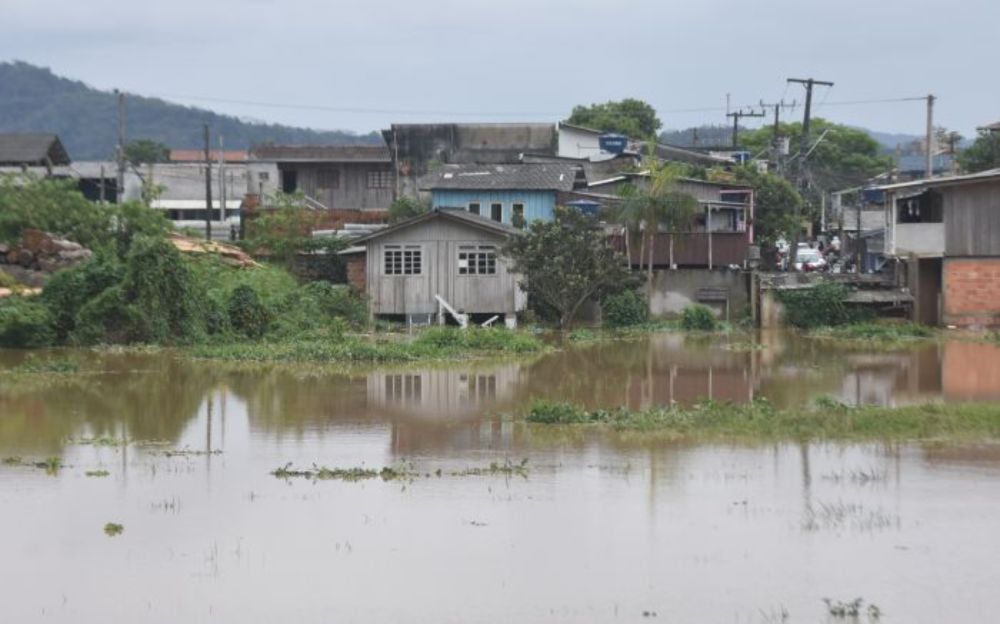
(33, 99)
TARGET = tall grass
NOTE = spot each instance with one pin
(760, 419)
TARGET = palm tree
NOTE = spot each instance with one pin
(656, 204)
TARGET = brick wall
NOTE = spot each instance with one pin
(972, 292)
(356, 265)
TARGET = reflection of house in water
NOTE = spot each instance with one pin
(447, 407)
(442, 394)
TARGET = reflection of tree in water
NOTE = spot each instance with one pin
(152, 397)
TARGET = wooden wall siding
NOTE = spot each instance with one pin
(538, 205)
(972, 220)
(690, 249)
(414, 294)
(352, 188)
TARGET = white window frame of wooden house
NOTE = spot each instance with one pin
(477, 260)
(404, 261)
(479, 207)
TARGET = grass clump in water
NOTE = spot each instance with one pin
(97, 473)
(322, 473)
(37, 366)
(434, 343)
(111, 529)
(760, 419)
(877, 332)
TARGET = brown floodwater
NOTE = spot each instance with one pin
(601, 528)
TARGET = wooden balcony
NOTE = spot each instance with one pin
(691, 249)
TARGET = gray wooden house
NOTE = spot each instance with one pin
(421, 267)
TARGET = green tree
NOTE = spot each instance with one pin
(146, 151)
(285, 230)
(406, 208)
(566, 262)
(840, 156)
(631, 117)
(983, 154)
(779, 209)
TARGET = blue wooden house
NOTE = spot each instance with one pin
(499, 192)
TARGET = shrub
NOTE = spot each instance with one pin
(698, 317)
(551, 413)
(818, 306)
(106, 318)
(68, 291)
(625, 309)
(24, 324)
(247, 315)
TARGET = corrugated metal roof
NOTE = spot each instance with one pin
(945, 181)
(32, 149)
(321, 153)
(461, 216)
(534, 177)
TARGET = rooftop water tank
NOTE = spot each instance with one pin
(613, 143)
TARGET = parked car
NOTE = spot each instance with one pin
(809, 259)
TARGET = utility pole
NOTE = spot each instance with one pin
(208, 188)
(776, 138)
(737, 115)
(930, 136)
(807, 116)
(120, 190)
(102, 185)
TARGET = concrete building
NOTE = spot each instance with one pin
(417, 149)
(417, 268)
(945, 232)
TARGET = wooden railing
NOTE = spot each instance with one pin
(689, 249)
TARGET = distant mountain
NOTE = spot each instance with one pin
(33, 99)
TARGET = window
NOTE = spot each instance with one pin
(379, 179)
(517, 215)
(474, 208)
(477, 260)
(263, 176)
(328, 178)
(403, 388)
(496, 212)
(403, 260)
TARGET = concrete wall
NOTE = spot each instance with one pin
(921, 239)
(972, 292)
(673, 290)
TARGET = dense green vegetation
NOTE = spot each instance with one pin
(819, 306)
(434, 343)
(698, 317)
(983, 154)
(625, 309)
(631, 117)
(33, 99)
(567, 262)
(884, 332)
(761, 420)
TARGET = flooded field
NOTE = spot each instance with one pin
(589, 528)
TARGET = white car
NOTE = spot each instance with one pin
(809, 259)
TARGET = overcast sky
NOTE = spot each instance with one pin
(365, 64)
